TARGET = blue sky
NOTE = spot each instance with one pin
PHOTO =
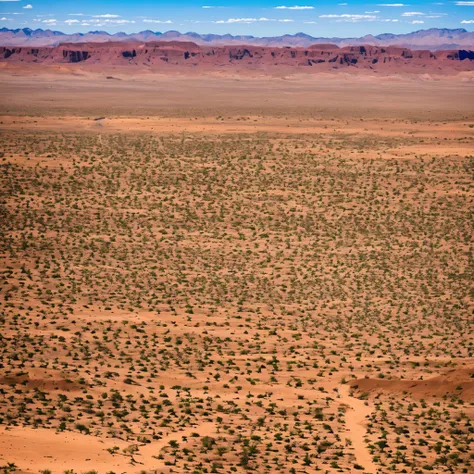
(258, 18)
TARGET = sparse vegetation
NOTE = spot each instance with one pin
(203, 301)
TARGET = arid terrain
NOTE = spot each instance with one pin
(205, 274)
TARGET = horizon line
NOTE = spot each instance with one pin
(229, 34)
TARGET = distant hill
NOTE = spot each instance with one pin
(432, 39)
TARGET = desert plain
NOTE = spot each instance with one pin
(236, 273)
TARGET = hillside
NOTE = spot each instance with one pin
(169, 56)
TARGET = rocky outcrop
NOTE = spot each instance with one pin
(169, 54)
(465, 55)
(74, 56)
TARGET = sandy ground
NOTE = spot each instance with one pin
(37, 449)
(221, 274)
(40, 449)
(340, 95)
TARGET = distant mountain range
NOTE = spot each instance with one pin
(432, 39)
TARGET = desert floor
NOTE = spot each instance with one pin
(216, 275)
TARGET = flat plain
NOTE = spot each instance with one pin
(238, 274)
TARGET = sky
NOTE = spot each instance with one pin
(238, 17)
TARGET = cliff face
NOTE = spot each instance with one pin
(158, 55)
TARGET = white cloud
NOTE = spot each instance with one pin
(356, 17)
(76, 14)
(391, 4)
(5, 19)
(163, 22)
(375, 11)
(252, 20)
(417, 22)
(309, 22)
(28, 7)
(50, 21)
(467, 22)
(346, 18)
(413, 14)
(242, 20)
(465, 4)
(295, 7)
(71, 22)
(109, 22)
(107, 15)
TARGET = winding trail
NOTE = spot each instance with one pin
(355, 423)
(146, 453)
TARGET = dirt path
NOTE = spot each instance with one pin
(355, 423)
(146, 453)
